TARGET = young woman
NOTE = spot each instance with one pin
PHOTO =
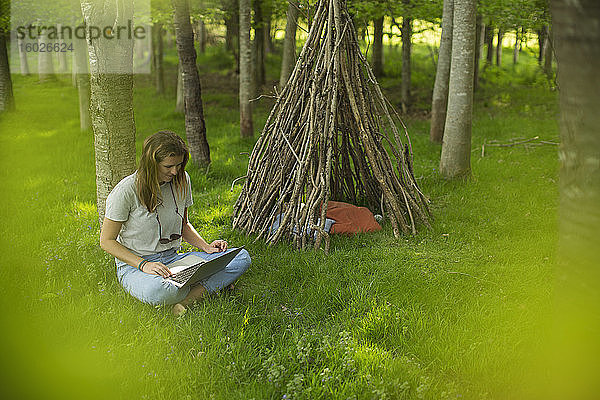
(145, 220)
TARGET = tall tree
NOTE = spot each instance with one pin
(259, 44)
(576, 28)
(439, 101)
(195, 128)
(456, 147)
(378, 46)
(82, 82)
(288, 59)
(111, 84)
(405, 85)
(157, 58)
(7, 101)
(246, 129)
(499, 47)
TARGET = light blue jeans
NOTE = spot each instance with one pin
(155, 290)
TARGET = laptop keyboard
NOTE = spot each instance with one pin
(183, 275)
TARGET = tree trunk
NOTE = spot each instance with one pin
(576, 303)
(489, 42)
(232, 29)
(111, 98)
(440, 88)
(74, 67)
(517, 47)
(499, 48)
(406, 60)
(548, 55)
(246, 129)
(541, 44)
(378, 47)
(157, 53)
(45, 64)
(201, 35)
(62, 55)
(195, 128)
(479, 32)
(7, 99)
(82, 77)
(23, 63)
(288, 59)
(179, 103)
(456, 147)
(259, 45)
(267, 15)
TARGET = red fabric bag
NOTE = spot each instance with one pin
(351, 219)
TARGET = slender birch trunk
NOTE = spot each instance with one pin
(158, 55)
(499, 48)
(179, 103)
(45, 64)
(246, 129)
(378, 46)
(23, 62)
(440, 88)
(7, 99)
(111, 99)
(456, 147)
(288, 59)
(82, 79)
(259, 45)
(406, 62)
(195, 128)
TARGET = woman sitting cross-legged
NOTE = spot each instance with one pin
(146, 218)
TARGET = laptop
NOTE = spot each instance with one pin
(192, 268)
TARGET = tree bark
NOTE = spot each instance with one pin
(499, 48)
(246, 128)
(195, 128)
(179, 103)
(479, 32)
(45, 64)
(489, 41)
(439, 101)
(157, 55)
(201, 35)
(82, 79)
(406, 61)
(576, 303)
(456, 147)
(541, 44)
(259, 45)
(517, 48)
(378, 47)
(548, 54)
(23, 62)
(288, 59)
(62, 55)
(111, 100)
(7, 99)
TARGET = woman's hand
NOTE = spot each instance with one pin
(216, 246)
(156, 268)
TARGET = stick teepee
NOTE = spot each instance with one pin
(330, 135)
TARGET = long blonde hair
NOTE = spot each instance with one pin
(156, 148)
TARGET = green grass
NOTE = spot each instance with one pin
(457, 311)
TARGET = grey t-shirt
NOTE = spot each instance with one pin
(140, 230)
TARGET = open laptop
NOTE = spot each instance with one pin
(192, 268)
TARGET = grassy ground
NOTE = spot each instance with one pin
(457, 311)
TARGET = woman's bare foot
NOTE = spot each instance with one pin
(178, 309)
